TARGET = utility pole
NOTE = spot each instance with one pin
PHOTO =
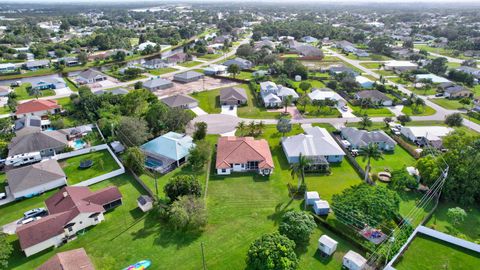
(203, 257)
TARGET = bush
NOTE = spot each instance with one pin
(401, 180)
(182, 185)
(188, 212)
(272, 251)
(297, 226)
(454, 120)
(134, 159)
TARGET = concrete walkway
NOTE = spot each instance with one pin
(396, 110)
(198, 111)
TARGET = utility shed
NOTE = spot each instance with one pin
(321, 207)
(327, 245)
(311, 197)
(354, 261)
(145, 203)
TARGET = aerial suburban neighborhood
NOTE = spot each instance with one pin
(258, 135)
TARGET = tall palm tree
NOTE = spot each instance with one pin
(241, 127)
(298, 169)
(365, 121)
(368, 152)
(287, 100)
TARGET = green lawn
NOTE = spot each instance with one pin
(386, 72)
(161, 71)
(371, 65)
(76, 175)
(71, 85)
(420, 111)
(23, 94)
(209, 101)
(312, 111)
(399, 80)
(210, 56)
(371, 57)
(254, 109)
(442, 51)
(190, 64)
(372, 112)
(391, 161)
(429, 253)
(314, 83)
(424, 92)
(451, 104)
(3, 183)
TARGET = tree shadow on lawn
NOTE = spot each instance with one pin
(280, 209)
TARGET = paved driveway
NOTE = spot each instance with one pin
(198, 111)
(216, 123)
(63, 91)
(226, 110)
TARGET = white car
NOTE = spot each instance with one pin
(34, 212)
(344, 108)
(28, 220)
(3, 196)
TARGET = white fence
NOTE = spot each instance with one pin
(92, 149)
(437, 235)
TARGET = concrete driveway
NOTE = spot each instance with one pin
(11, 227)
(198, 111)
(347, 114)
(216, 123)
(226, 110)
(63, 91)
(396, 110)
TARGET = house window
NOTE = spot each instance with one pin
(224, 170)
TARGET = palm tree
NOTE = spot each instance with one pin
(298, 169)
(368, 152)
(419, 102)
(241, 127)
(287, 100)
(365, 121)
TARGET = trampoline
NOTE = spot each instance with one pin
(85, 164)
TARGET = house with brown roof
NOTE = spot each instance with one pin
(75, 259)
(243, 154)
(70, 210)
(233, 96)
(37, 107)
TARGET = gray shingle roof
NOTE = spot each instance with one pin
(317, 142)
(187, 75)
(373, 94)
(35, 142)
(233, 93)
(90, 74)
(156, 82)
(178, 100)
(34, 175)
(362, 138)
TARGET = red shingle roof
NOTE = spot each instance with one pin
(37, 105)
(75, 259)
(62, 207)
(231, 150)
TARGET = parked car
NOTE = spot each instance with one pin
(344, 108)
(35, 213)
(439, 94)
(354, 152)
(3, 196)
(24, 221)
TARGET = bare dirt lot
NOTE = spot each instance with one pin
(207, 83)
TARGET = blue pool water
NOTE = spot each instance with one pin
(78, 144)
(152, 163)
(50, 129)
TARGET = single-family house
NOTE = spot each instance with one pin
(307, 50)
(90, 76)
(360, 138)
(180, 101)
(242, 63)
(326, 94)
(70, 210)
(334, 70)
(456, 91)
(69, 61)
(48, 143)
(157, 84)
(317, 145)
(47, 83)
(156, 63)
(29, 124)
(75, 259)
(364, 82)
(144, 45)
(215, 70)
(400, 66)
(243, 154)
(431, 135)
(177, 58)
(37, 64)
(273, 94)
(37, 107)
(375, 96)
(115, 92)
(345, 46)
(309, 39)
(35, 179)
(354, 261)
(233, 96)
(188, 76)
(475, 72)
(7, 68)
(168, 151)
(264, 44)
(327, 245)
(434, 78)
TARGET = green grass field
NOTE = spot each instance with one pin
(161, 71)
(391, 161)
(451, 104)
(371, 65)
(22, 92)
(441, 51)
(429, 253)
(76, 175)
(190, 64)
(420, 111)
(372, 112)
(208, 57)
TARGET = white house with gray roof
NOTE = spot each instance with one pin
(316, 144)
(273, 94)
(188, 76)
(37, 64)
(90, 76)
(242, 63)
(360, 138)
(35, 179)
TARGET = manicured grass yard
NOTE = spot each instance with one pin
(23, 94)
(421, 111)
(190, 64)
(372, 112)
(391, 161)
(371, 65)
(76, 175)
(451, 104)
(424, 92)
(210, 56)
(161, 71)
(429, 253)
(208, 100)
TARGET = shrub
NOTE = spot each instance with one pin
(188, 212)
(297, 226)
(272, 251)
(182, 185)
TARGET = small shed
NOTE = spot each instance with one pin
(117, 147)
(354, 261)
(321, 207)
(327, 245)
(145, 203)
(311, 197)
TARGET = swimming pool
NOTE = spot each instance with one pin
(152, 163)
(78, 144)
